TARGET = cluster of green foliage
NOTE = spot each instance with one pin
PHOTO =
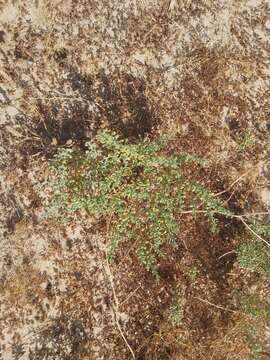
(257, 312)
(193, 273)
(136, 187)
(246, 140)
(176, 308)
(254, 254)
(255, 308)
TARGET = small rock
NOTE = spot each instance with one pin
(185, 129)
(265, 196)
(54, 141)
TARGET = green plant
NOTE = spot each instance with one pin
(176, 309)
(193, 272)
(255, 308)
(256, 311)
(247, 140)
(254, 255)
(251, 256)
(253, 343)
(136, 187)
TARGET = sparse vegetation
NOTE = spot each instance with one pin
(254, 254)
(246, 140)
(251, 256)
(176, 309)
(193, 273)
(78, 70)
(257, 312)
(139, 190)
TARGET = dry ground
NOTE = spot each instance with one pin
(199, 69)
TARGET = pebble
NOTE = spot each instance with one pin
(265, 196)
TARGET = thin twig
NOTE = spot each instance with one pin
(135, 8)
(240, 217)
(226, 214)
(116, 310)
(232, 184)
(108, 273)
(130, 295)
(254, 233)
(255, 214)
(217, 306)
(227, 253)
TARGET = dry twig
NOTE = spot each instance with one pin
(116, 308)
(217, 306)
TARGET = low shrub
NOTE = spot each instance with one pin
(137, 188)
